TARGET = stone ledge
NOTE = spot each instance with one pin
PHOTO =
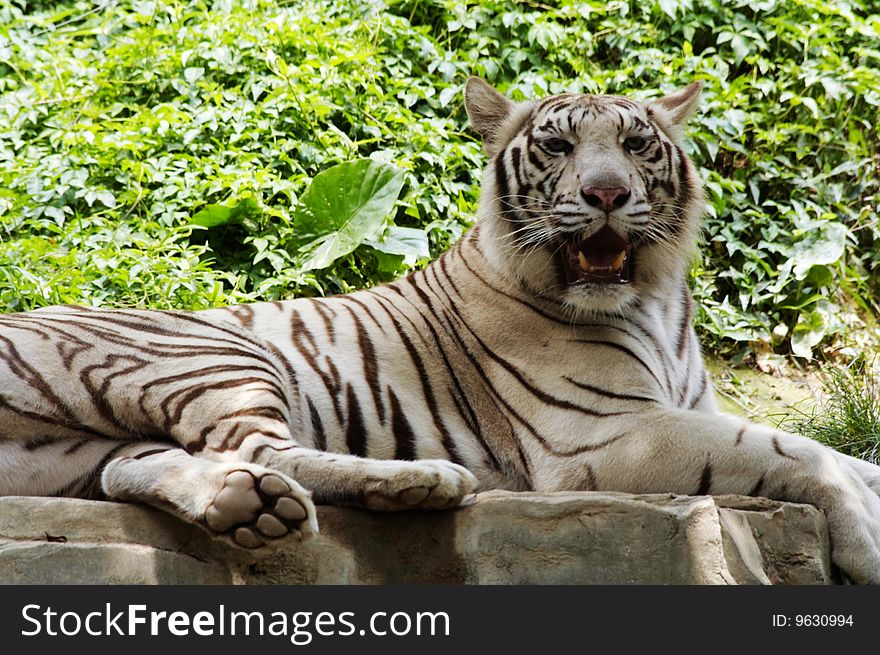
(502, 538)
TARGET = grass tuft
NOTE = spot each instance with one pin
(847, 418)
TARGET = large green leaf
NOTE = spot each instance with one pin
(399, 248)
(345, 206)
(409, 242)
(824, 245)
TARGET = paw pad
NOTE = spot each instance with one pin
(252, 509)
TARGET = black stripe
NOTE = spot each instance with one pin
(515, 164)
(705, 481)
(152, 451)
(446, 277)
(290, 383)
(556, 103)
(365, 307)
(534, 432)
(355, 434)
(609, 394)
(139, 322)
(683, 183)
(779, 450)
(93, 489)
(76, 445)
(685, 323)
(323, 312)
(620, 102)
(243, 313)
(194, 348)
(668, 186)
(540, 394)
(658, 153)
(404, 437)
(73, 488)
(502, 186)
(644, 338)
(488, 386)
(262, 411)
(72, 425)
(592, 484)
(236, 441)
(704, 384)
(626, 351)
(535, 161)
(665, 363)
(319, 437)
(371, 365)
(99, 394)
(40, 442)
(756, 490)
(685, 385)
(299, 331)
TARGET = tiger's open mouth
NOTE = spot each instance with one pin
(604, 258)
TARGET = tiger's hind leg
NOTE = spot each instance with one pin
(245, 504)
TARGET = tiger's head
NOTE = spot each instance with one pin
(588, 200)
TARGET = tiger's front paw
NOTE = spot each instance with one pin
(853, 512)
(424, 484)
(256, 507)
(855, 545)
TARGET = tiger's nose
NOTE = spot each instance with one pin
(605, 199)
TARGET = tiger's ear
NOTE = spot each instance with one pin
(487, 110)
(676, 108)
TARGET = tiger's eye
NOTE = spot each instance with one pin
(632, 143)
(556, 146)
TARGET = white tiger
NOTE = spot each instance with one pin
(551, 349)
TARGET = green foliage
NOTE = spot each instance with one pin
(154, 152)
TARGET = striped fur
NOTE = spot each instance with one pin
(491, 368)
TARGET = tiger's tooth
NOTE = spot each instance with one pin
(618, 263)
(582, 259)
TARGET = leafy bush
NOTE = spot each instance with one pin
(121, 122)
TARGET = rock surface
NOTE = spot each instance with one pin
(501, 538)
